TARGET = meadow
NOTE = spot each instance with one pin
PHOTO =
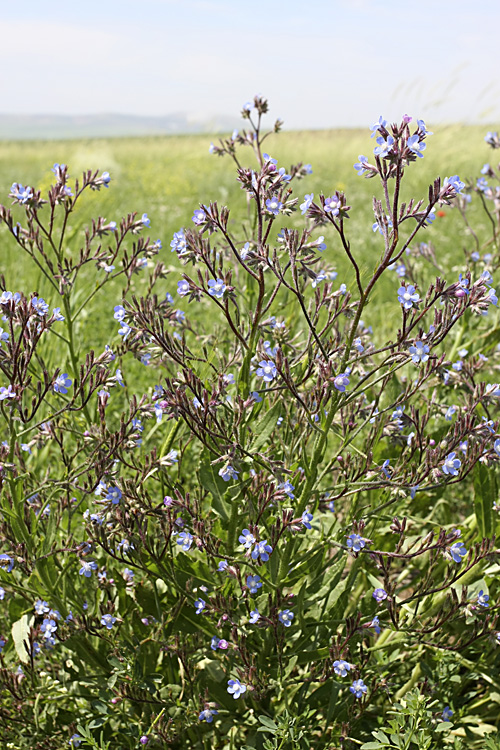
(249, 486)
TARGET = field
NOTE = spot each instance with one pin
(279, 531)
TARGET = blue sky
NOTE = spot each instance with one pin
(321, 64)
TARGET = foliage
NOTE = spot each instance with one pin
(257, 521)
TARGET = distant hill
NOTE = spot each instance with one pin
(55, 127)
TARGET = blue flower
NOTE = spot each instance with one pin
(361, 165)
(341, 381)
(286, 617)
(458, 551)
(358, 688)
(332, 205)
(199, 216)
(6, 392)
(247, 539)
(455, 183)
(482, 599)
(379, 595)
(200, 605)
(408, 297)
(62, 383)
(254, 616)
(266, 370)
(384, 145)
(254, 584)
(119, 313)
(341, 667)
(208, 715)
(355, 542)
(114, 494)
(179, 244)
(40, 306)
(235, 688)
(217, 288)
(416, 145)
(87, 567)
(108, 621)
(228, 472)
(306, 519)
(308, 199)
(184, 540)
(222, 566)
(75, 740)
(262, 550)
(381, 123)
(419, 352)
(447, 714)
(273, 205)
(287, 488)
(451, 464)
(183, 288)
(145, 221)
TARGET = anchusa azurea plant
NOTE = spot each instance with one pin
(251, 520)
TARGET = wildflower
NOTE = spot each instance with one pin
(455, 183)
(355, 542)
(273, 205)
(288, 488)
(39, 306)
(128, 575)
(458, 551)
(332, 205)
(379, 595)
(286, 617)
(228, 472)
(306, 519)
(208, 715)
(254, 616)
(451, 464)
(416, 145)
(419, 352)
(361, 165)
(200, 605)
(308, 199)
(199, 216)
(222, 566)
(6, 392)
(358, 688)
(408, 297)
(447, 714)
(87, 567)
(341, 381)
(384, 145)
(108, 621)
(341, 667)
(235, 688)
(266, 370)
(254, 584)
(450, 412)
(114, 494)
(247, 539)
(375, 624)
(75, 740)
(216, 643)
(182, 288)
(217, 288)
(41, 607)
(6, 562)
(62, 384)
(379, 125)
(184, 540)
(262, 550)
(482, 599)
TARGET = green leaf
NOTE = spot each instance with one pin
(270, 725)
(264, 427)
(213, 483)
(485, 494)
(20, 635)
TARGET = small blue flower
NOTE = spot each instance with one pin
(235, 688)
(87, 567)
(361, 165)
(482, 599)
(341, 667)
(62, 383)
(217, 288)
(358, 688)
(108, 621)
(254, 616)
(254, 584)
(408, 297)
(228, 472)
(332, 205)
(381, 123)
(419, 352)
(114, 494)
(185, 540)
(262, 550)
(200, 605)
(447, 714)
(273, 205)
(182, 288)
(341, 381)
(247, 539)
(75, 740)
(451, 464)
(384, 145)
(355, 542)
(286, 617)
(416, 145)
(199, 216)
(306, 519)
(267, 370)
(308, 199)
(379, 595)
(208, 715)
(458, 551)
